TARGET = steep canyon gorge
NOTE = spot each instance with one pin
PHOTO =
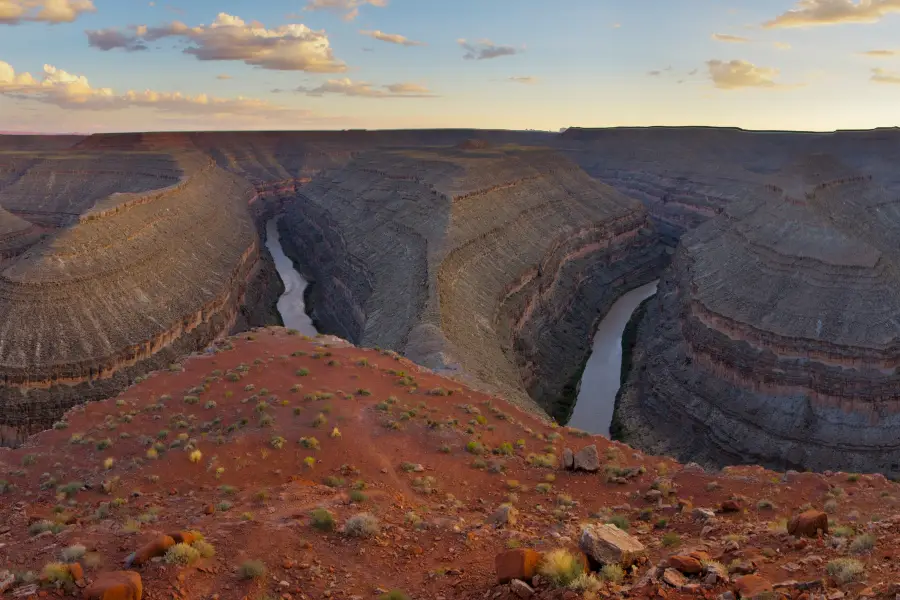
(490, 256)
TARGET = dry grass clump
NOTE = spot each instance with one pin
(182, 554)
(845, 570)
(561, 567)
(252, 569)
(362, 525)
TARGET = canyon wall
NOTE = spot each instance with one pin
(121, 262)
(775, 335)
(490, 263)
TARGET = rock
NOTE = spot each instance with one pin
(808, 524)
(750, 586)
(704, 514)
(607, 544)
(743, 567)
(731, 506)
(149, 551)
(183, 537)
(505, 515)
(209, 509)
(587, 459)
(520, 563)
(686, 564)
(7, 579)
(653, 495)
(76, 571)
(715, 573)
(568, 459)
(521, 589)
(674, 578)
(726, 596)
(116, 585)
(693, 468)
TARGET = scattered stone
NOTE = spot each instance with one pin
(153, 549)
(521, 589)
(209, 509)
(686, 564)
(568, 459)
(505, 515)
(715, 573)
(731, 506)
(607, 544)
(6, 580)
(726, 596)
(674, 578)
(183, 537)
(693, 468)
(808, 524)
(704, 514)
(520, 563)
(653, 495)
(587, 459)
(743, 567)
(116, 585)
(750, 586)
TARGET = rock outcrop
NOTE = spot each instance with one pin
(115, 263)
(775, 335)
(495, 261)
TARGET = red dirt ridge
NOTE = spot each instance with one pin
(286, 467)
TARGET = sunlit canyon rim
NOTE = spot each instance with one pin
(490, 256)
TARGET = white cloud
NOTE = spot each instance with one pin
(69, 91)
(781, 45)
(348, 87)
(392, 38)
(736, 74)
(292, 47)
(13, 12)
(485, 49)
(808, 13)
(734, 39)
(527, 79)
(881, 53)
(223, 76)
(884, 76)
(349, 8)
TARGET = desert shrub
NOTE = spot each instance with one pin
(561, 567)
(277, 442)
(395, 595)
(182, 554)
(862, 544)
(619, 521)
(252, 569)
(57, 575)
(322, 519)
(613, 573)
(195, 456)
(362, 525)
(205, 549)
(73, 553)
(845, 570)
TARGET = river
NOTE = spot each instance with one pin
(602, 375)
(290, 305)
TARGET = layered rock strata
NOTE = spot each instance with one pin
(775, 335)
(492, 262)
(157, 256)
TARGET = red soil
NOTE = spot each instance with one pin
(450, 554)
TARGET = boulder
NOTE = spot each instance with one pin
(568, 459)
(183, 537)
(808, 524)
(674, 578)
(587, 459)
(686, 564)
(751, 586)
(505, 515)
(521, 589)
(150, 550)
(704, 514)
(7, 579)
(520, 563)
(731, 506)
(116, 585)
(76, 571)
(607, 544)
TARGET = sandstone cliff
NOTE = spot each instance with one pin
(775, 335)
(492, 262)
(118, 262)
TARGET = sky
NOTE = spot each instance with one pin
(90, 66)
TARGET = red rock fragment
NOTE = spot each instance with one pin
(750, 586)
(520, 563)
(685, 564)
(117, 585)
(808, 524)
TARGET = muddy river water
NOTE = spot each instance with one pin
(290, 305)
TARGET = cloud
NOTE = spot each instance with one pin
(13, 12)
(734, 39)
(781, 45)
(654, 73)
(809, 13)
(292, 47)
(881, 53)
(392, 38)
(69, 91)
(485, 49)
(736, 74)
(348, 87)
(350, 8)
(884, 76)
(223, 76)
(528, 79)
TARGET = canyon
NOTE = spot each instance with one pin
(490, 257)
